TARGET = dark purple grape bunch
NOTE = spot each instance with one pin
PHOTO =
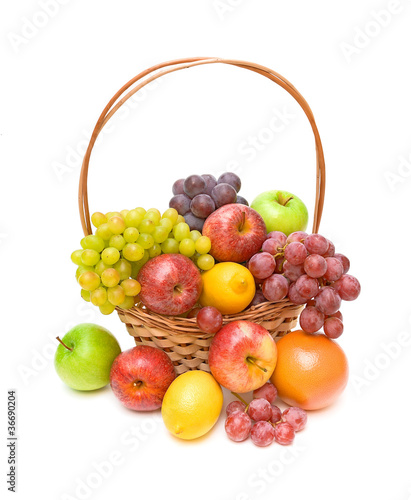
(198, 196)
(308, 271)
(270, 423)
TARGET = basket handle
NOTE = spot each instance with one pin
(117, 101)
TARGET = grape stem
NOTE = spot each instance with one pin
(240, 398)
(275, 423)
(63, 344)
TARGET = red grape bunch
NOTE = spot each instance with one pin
(270, 424)
(306, 269)
(198, 196)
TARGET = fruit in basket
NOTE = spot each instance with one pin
(311, 319)
(333, 327)
(242, 201)
(230, 178)
(236, 231)
(170, 284)
(124, 242)
(261, 265)
(311, 370)
(198, 196)
(140, 377)
(242, 356)
(345, 261)
(202, 206)
(210, 181)
(258, 298)
(320, 281)
(84, 357)
(89, 281)
(178, 186)
(194, 185)
(316, 244)
(275, 287)
(181, 203)
(228, 286)
(223, 194)
(209, 319)
(281, 211)
(93, 242)
(110, 277)
(192, 404)
(327, 300)
(194, 222)
(315, 266)
(347, 287)
(131, 287)
(116, 295)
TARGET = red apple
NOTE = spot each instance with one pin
(140, 377)
(236, 232)
(242, 356)
(170, 284)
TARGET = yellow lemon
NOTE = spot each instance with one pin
(228, 286)
(192, 404)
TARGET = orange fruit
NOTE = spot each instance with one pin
(228, 286)
(311, 370)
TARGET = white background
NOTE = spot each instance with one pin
(58, 72)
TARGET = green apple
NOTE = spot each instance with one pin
(84, 357)
(281, 211)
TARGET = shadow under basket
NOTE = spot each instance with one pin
(186, 345)
(179, 337)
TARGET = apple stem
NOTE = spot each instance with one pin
(239, 397)
(284, 203)
(242, 221)
(62, 343)
(250, 360)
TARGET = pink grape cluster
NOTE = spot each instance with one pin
(305, 268)
(270, 424)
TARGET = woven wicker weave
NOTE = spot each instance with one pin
(185, 344)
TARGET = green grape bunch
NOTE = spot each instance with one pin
(109, 260)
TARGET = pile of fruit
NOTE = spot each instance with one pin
(110, 260)
(270, 422)
(306, 269)
(208, 256)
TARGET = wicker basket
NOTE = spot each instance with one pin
(185, 344)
